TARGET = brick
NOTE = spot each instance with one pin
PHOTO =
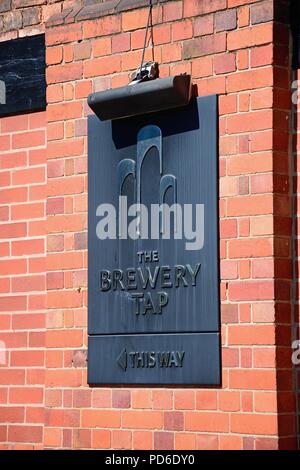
(28, 284)
(102, 27)
(102, 46)
(102, 66)
(250, 80)
(262, 12)
(184, 441)
(27, 247)
(26, 395)
(202, 67)
(243, 16)
(251, 335)
(64, 34)
(64, 261)
(254, 424)
(163, 440)
(142, 440)
(70, 148)
(63, 378)
(4, 250)
(210, 86)
(252, 379)
(262, 55)
(250, 205)
(162, 34)
(181, 30)
(230, 443)
(206, 400)
(171, 52)
(192, 8)
(37, 120)
(225, 20)
(4, 142)
(228, 145)
(249, 37)
(184, 400)
(31, 16)
(65, 186)
(100, 439)
(4, 213)
(64, 73)
(12, 20)
(14, 123)
(121, 439)
(4, 181)
(28, 176)
(255, 163)
(264, 358)
(12, 160)
(120, 43)
(55, 280)
(15, 230)
(82, 398)
(229, 269)
(27, 358)
(5, 5)
(227, 105)
(251, 290)
(224, 63)
(103, 418)
(207, 442)
(27, 211)
(172, 11)
(12, 414)
(201, 46)
(266, 444)
(229, 400)
(54, 55)
(262, 141)
(28, 139)
(63, 338)
(56, 417)
(121, 399)
(173, 421)
(68, 53)
(229, 313)
(204, 25)
(206, 421)
(246, 122)
(11, 377)
(27, 3)
(162, 399)
(66, 299)
(52, 437)
(142, 419)
(134, 19)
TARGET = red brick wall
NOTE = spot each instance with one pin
(239, 49)
(22, 278)
(27, 17)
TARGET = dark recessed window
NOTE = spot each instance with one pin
(22, 75)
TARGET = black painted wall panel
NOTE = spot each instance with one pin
(22, 75)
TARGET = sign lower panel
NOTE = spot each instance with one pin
(154, 359)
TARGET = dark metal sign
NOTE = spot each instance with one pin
(153, 248)
(22, 75)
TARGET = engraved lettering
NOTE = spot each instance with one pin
(165, 277)
(105, 281)
(194, 272)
